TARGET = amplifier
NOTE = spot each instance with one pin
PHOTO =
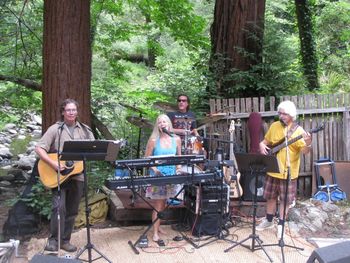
(207, 199)
(212, 191)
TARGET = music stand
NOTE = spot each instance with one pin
(256, 164)
(97, 150)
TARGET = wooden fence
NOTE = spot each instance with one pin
(332, 110)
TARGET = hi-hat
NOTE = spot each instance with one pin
(139, 122)
(166, 106)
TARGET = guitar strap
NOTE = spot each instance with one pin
(289, 134)
(292, 129)
(85, 129)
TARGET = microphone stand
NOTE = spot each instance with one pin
(281, 243)
(60, 129)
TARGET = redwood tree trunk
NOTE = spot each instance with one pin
(307, 43)
(237, 30)
(66, 58)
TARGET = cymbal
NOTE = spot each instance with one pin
(213, 134)
(210, 118)
(131, 107)
(139, 122)
(166, 106)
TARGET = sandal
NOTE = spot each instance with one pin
(160, 242)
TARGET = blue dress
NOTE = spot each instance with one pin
(164, 191)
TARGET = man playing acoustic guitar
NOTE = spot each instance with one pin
(275, 183)
(71, 190)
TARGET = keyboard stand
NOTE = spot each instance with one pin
(160, 214)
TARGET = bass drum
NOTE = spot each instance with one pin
(188, 169)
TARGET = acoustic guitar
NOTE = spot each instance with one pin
(48, 175)
(274, 149)
(235, 187)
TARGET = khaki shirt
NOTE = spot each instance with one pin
(49, 141)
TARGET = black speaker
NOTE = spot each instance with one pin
(207, 224)
(52, 259)
(337, 253)
(248, 183)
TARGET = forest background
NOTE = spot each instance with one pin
(146, 51)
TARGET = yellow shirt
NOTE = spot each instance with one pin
(277, 132)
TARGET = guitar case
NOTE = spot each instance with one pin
(256, 133)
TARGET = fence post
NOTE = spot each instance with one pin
(346, 134)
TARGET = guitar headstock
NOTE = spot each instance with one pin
(232, 127)
(317, 129)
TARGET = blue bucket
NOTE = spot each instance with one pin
(338, 195)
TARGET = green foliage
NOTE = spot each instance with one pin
(7, 118)
(20, 97)
(178, 17)
(19, 145)
(97, 173)
(21, 30)
(40, 197)
(40, 200)
(177, 32)
(333, 33)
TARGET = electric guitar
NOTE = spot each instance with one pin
(48, 175)
(235, 187)
(281, 144)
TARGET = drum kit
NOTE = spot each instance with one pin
(190, 144)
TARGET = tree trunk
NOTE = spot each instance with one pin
(66, 58)
(307, 43)
(236, 36)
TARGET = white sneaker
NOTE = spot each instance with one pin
(279, 232)
(264, 225)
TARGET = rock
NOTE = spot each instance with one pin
(5, 184)
(26, 162)
(18, 174)
(36, 133)
(37, 119)
(7, 167)
(31, 127)
(12, 131)
(5, 153)
(4, 139)
(32, 143)
(7, 177)
(30, 149)
(21, 137)
(10, 126)
(294, 215)
(330, 207)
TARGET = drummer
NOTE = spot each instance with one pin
(183, 120)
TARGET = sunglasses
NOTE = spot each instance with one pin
(181, 100)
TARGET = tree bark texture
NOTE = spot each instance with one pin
(307, 43)
(66, 58)
(236, 36)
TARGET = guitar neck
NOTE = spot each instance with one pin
(282, 145)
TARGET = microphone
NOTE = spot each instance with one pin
(167, 132)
